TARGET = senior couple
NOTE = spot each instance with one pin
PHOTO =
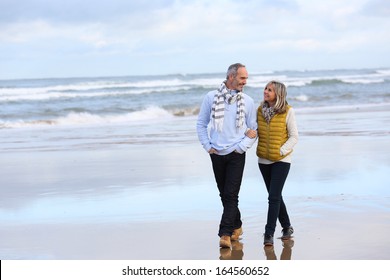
(235, 125)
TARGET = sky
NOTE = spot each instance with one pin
(73, 38)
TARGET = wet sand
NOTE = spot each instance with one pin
(339, 237)
(160, 202)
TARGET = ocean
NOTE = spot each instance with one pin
(116, 111)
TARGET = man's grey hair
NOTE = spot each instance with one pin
(232, 70)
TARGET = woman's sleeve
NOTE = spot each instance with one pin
(292, 131)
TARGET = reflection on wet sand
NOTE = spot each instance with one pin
(269, 251)
(234, 253)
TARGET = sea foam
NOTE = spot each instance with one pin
(83, 118)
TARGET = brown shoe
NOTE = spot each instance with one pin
(224, 242)
(236, 234)
(225, 254)
(270, 252)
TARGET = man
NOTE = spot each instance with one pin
(230, 113)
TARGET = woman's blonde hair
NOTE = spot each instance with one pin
(281, 94)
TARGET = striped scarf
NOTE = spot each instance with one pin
(218, 110)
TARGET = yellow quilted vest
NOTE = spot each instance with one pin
(272, 136)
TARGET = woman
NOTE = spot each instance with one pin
(278, 134)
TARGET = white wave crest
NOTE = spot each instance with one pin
(302, 98)
(362, 81)
(73, 89)
(21, 94)
(84, 118)
(385, 72)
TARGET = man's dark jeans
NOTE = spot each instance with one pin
(228, 171)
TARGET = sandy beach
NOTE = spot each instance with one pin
(158, 200)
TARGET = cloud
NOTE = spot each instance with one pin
(74, 10)
(182, 34)
(377, 8)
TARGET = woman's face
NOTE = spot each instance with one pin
(269, 94)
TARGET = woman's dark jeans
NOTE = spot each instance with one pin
(274, 176)
(228, 171)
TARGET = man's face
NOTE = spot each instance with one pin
(238, 82)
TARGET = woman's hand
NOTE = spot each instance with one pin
(251, 133)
